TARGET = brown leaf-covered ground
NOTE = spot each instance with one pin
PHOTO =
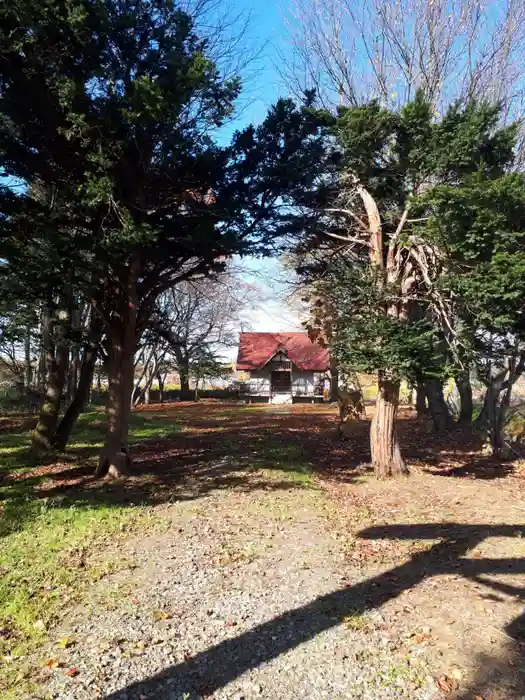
(440, 555)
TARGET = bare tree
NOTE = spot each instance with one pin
(194, 321)
(387, 49)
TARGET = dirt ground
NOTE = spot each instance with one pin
(438, 557)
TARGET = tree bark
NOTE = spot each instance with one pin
(465, 397)
(122, 345)
(45, 329)
(386, 455)
(421, 400)
(83, 388)
(57, 355)
(497, 401)
(73, 374)
(334, 384)
(184, 375)
(27, 350)
(437, 405)
(160, 382)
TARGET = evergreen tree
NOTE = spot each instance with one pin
(389, 313)
(124, 104)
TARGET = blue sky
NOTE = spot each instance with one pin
(263, 84)
(263, 87)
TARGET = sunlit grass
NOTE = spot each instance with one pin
(285, 460)
(44, 542)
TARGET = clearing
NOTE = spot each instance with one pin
(253, 555)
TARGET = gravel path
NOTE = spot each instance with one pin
(243, 596)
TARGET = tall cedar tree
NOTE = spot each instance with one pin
(113, 104)
(383, 286)
(481, 229)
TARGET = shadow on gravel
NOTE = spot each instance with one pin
(212, 669)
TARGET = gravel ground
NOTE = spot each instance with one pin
(243, 596)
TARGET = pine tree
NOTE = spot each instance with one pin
(119, 129)
(383, 280)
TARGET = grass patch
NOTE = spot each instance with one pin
(355, 620)
(48, 546)
(285, 461)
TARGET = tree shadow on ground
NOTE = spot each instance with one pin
(188, 457)
(182, 453)
(212, 669)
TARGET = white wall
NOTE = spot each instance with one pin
(302, 382)
(259, 382)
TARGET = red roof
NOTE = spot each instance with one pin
(255, 349)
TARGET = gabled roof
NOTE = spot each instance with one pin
(256, 349)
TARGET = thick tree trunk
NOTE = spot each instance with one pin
(464, 388)
(491, 420)
(73, 374)
(45, 329)
(421, 400)
(437, 405)
(122, 345)
(80, 397)
(57, 360)
(334, 384)
(386, 455)
(114, 460)
(184, 374)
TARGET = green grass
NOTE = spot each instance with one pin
(286, 461)
(47, 544)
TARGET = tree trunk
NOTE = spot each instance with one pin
(73, 374)
(437, 405)
(465, 397)
(114, 459)
(82, 392)
(386, 455)
(184, 374)
(57, 356)
(421, 400)
(334, 384)
(122, 345)
(496, 403)
(27, 349)
(160, 382)
(45, 342)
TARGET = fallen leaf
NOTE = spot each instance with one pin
(446, 684)
(71, 672)
(420, 638)
(138, 649)
(65, 642)
(163, 616)
(51, 663)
